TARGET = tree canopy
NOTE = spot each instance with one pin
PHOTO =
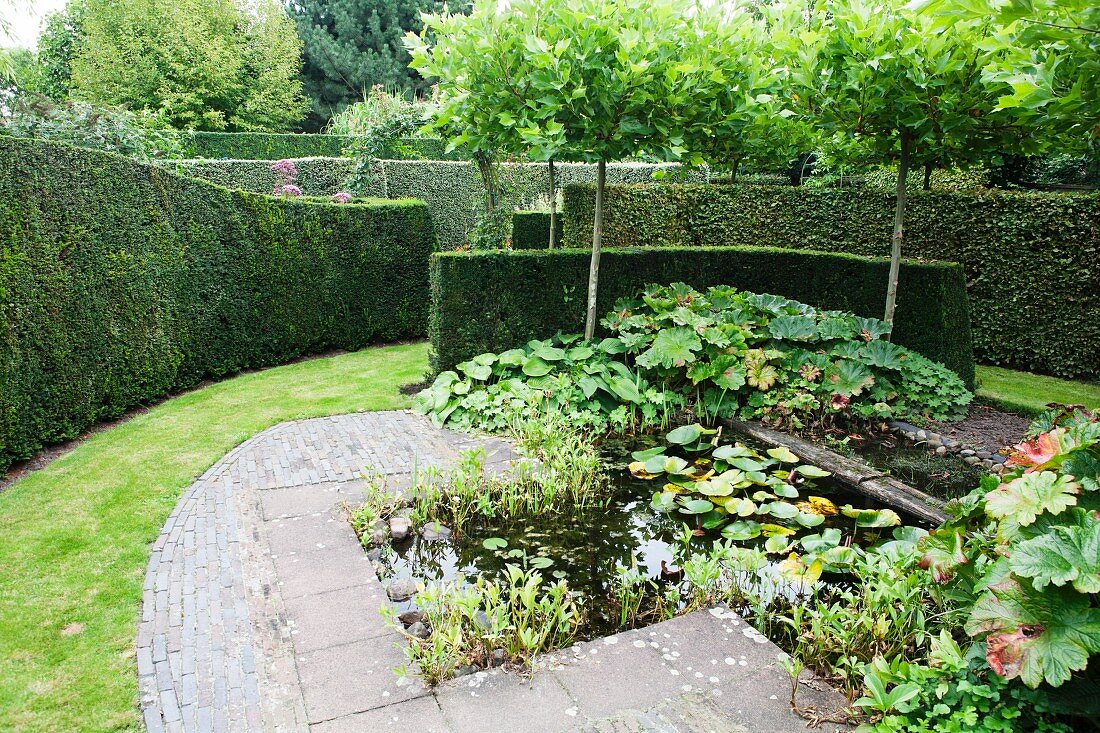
(351, 46)
(203, 64)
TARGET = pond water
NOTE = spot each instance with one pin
(586, 546)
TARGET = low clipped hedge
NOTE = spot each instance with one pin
(316, 176)
(531, 230)
(490, 301)
(122, 282)
(1032, 260)
(275, 146)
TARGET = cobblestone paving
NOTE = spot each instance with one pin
(262, 613)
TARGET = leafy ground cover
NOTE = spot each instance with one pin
(74, 536)
(1029, 393)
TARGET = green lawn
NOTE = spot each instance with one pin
(1029, 393)
(74, 537)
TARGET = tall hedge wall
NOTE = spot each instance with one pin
(121, 282)
(274, 146)
(494, 300)
(531, 230)
(316, 176)
(1032, 260)
(455, 195)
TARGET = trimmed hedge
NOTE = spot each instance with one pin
(275, 146)
(316, 176)
(531, 230)
(455, 195)
(263, 145)
(1032, 260)
(122, 282)
(493, 300)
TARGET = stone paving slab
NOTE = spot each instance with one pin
(261, 612)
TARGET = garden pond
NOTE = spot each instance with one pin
(651, 522)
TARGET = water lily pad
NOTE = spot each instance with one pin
(726, 452)
(494, 543)
(741, 530)
(782, 488)
(686, 434)
(776, 544)
(663, 501)
(872, 517)
(781, 510)
(667, 464)
(715, 487)
(809, 519)
(812, 471)
(747, 464)
(783, 454)
(776, 530)
(696, 506)
(797, 571)
(713, 519)
(645, 455)
(541, 563)
(638, 470)
(817, 543)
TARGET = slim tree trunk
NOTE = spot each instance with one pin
(928, 176)
(899, 231)
(553, 207)
(597, 241)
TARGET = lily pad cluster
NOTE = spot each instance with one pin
(749, 495)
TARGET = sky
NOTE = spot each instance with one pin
(24, 18)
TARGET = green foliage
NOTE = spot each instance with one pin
(953, 693)
(584, 381)
(140, 136)
(767, 356)
(61, 36)
(1045, 69)
(378, 124)
(531, 230)
(1027, 571)
(350, 46)
(121, 282)
(1022, 252)
(316, 176)
(523, 615)
(222, 65)
(490, 301)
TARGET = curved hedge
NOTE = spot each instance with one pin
(121, 282)
(1032, 260)
(275, 146)
(496, 299)
(316, 176)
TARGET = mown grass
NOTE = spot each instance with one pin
(1028, 394)
(75, 536)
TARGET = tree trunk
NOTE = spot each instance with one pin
(553, 207)
(486, 166)
(928, 176)
(899, 232)
(597, 241)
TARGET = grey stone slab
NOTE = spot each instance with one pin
(494, 701)
(322, 531)
(641, 676)
(308, 499)
(318, 572)
(336, 617)
(419, 715)
(354, 678)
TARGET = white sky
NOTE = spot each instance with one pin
(24, 18)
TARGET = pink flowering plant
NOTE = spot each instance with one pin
(286, 173)
(341, 197)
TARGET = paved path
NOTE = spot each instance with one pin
(262, 613)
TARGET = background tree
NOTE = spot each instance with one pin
(888, 75)
(351, 46)
(588, 80)
(57, 45)
(202, 64)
